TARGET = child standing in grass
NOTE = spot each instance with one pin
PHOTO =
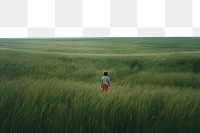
(105, 81)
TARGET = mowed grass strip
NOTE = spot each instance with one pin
(51, 93)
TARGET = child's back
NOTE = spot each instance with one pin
(105, 80)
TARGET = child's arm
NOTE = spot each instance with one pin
(101, 82)
(109, 82)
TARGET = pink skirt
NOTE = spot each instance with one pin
(104, 87)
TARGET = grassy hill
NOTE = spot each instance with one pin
(53, 85)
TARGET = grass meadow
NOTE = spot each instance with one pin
(53, 85)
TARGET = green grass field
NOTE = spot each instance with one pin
(53, 85)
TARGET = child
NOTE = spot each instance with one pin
(105, 81)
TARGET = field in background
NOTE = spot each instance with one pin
(53, 85)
